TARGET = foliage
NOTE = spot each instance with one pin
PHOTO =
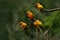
(14, 11)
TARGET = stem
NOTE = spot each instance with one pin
(49, 10)
(36, 13)
(9, 31)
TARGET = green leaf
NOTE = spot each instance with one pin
(56, 24)
(49, 19)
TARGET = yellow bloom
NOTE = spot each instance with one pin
(37, 22)
(23, 25)
(39, 6)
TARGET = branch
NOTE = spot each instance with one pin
(9, 31)
(49, 10)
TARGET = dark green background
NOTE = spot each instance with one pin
(12, 10)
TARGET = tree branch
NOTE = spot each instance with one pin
(49, 10)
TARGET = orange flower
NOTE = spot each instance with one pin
(39, 6)
(23, 25)
(29, 14)
(37, 22)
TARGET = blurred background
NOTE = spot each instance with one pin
(14, 11)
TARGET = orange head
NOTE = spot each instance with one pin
(29, 14)
(35, 23)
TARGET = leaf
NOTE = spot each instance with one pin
(49, 19)
(56, 24)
